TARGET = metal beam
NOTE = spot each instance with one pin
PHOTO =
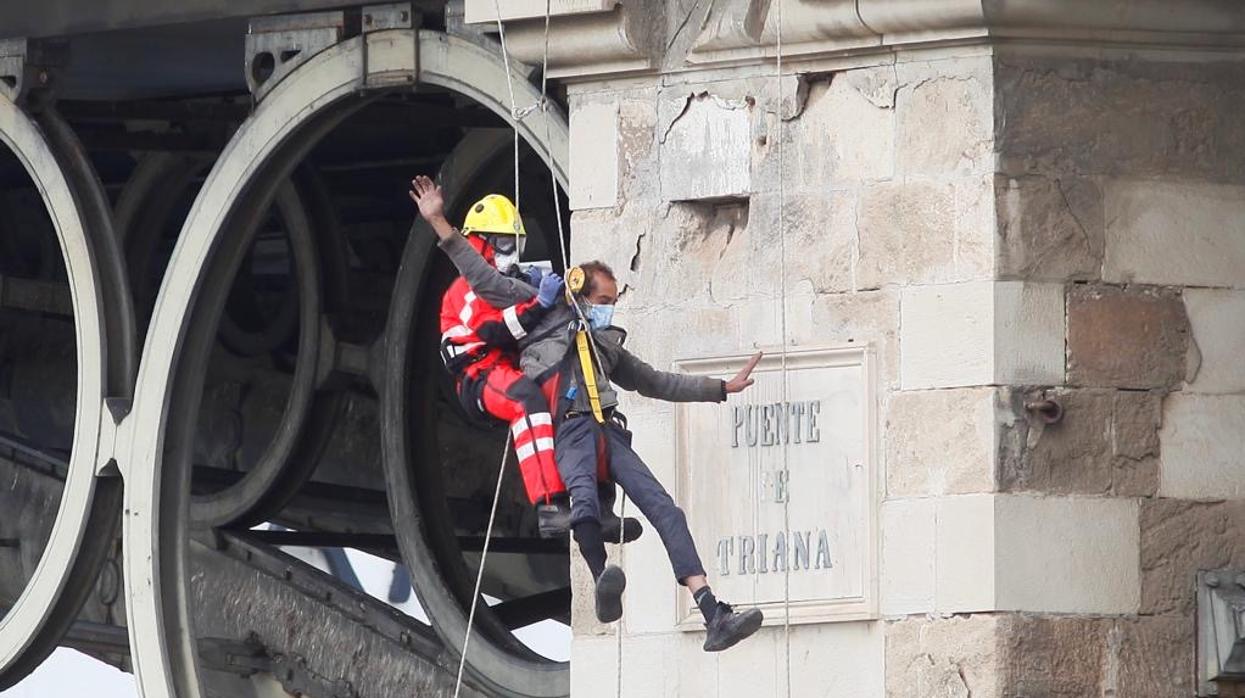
(61, 17)
(554, 604)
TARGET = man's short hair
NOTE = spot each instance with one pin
(591, 269)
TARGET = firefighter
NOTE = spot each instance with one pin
(478, 343)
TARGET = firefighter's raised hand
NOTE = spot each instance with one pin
(742, 379)
(428, 197)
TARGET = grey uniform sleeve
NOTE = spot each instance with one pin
(497, 289)
(630, 373)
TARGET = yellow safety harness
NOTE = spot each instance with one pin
(575, 284)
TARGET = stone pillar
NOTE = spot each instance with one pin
(1000, 223)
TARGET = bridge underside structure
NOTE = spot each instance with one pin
(218, 352)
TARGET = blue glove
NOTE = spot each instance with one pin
(534, 275)
(550, 289)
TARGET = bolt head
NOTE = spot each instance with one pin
(1212, 581)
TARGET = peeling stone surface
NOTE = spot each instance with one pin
(707, 149)
(1218, 320)
(1136, 337)
(1179, 537)
(945, 116)
(1106, 443)
(1050, 228)
(847, 130)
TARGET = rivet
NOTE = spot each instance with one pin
(1212, 581)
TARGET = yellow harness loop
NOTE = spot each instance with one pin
(590, 375)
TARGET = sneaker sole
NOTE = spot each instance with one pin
(609, 590)
(753, 619)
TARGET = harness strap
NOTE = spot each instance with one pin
(590, 375)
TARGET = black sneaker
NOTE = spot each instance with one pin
(609, 591)
(728, 627)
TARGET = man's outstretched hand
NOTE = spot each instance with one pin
(428, 197)
(741, 379)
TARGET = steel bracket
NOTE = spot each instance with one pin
(378, 18)
(276, 46)
(1220, 630)
(27, 65)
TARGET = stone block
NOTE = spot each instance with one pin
(966, 551)
(1154, 656)
(594, 155)
(941, 442)
(1216, 317)
(1202, 437)
(981, 333)
(1178, 233)
(1135, 337)
(1067, 554)
(1179, 537)
(907, 234)
(870, 317)
(945, 116)
(1057, 657)
(1028, 333)
(1131, 117)
(908, 545)
(921, 232)
(821, 242)
(1106, 443)
(855, 667)
(706, 148)
(954, 657)
(1050, 228)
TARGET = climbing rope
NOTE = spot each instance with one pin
(518, 115)
(782, 285)
(475, 594)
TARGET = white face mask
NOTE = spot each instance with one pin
(505, 262)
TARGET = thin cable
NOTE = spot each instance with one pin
(488, 535)
(782, 281)
(622, 558)
(514, 110)
(553, 177)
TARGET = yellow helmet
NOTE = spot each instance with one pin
(493, 214)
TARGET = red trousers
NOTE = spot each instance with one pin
(502, 391)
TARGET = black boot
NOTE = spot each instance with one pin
(554, 518)
(728, 627)
(609, 591)
(554, 521)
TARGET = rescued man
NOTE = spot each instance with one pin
(590, 430)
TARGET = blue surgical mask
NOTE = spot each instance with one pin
(600, 316)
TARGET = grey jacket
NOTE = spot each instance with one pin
(544, 350)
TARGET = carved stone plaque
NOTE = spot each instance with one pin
(780, 489)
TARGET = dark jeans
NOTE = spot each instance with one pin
(577, 442)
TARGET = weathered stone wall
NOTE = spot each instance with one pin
(1002, 226)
